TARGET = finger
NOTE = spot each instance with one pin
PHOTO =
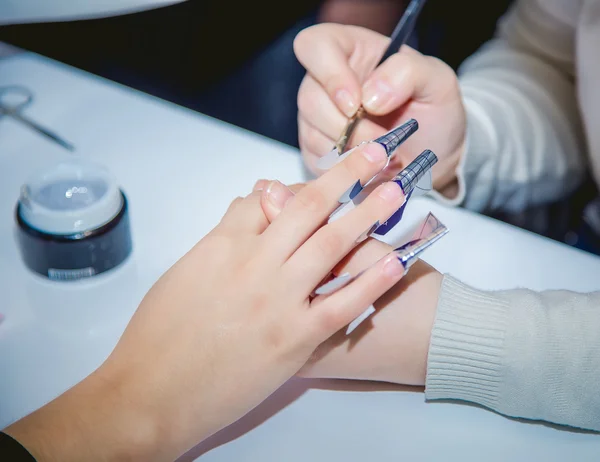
(316, 111)
(274, 198)
(312, 206)
(273, 204)
(314, 144)
(336, 311)
(296, 187)
(325, 54)
(260, 185)
(317, 108)
(312, 262)
(245, 215)
(362, 256)
(406, 75)
(313, 141)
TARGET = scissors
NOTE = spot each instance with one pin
(13, 99)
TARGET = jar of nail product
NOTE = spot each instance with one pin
(73, 221)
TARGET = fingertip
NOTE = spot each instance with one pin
(260, 185)
(378, 96)
(346, 101)
(274, 198)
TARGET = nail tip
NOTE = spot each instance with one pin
(412, 174)
(397, 136)
(333, 285)
(328, 160)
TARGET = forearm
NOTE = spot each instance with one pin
(521, 353)
(392, 344)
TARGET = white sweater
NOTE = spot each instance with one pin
(533, 106)
(532, 96)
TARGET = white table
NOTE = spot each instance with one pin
(180, 170)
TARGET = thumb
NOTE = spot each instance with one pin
(274, 198)
(404, 76)
(327, 52)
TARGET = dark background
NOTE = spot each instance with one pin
(234, 61)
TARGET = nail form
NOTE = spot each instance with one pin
(364, 236)
(426, 234)
(390, 141)
(409, 179)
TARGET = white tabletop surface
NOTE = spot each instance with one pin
(180, 170)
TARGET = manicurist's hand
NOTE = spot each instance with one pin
(340, 60)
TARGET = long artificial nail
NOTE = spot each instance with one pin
(390, 141)
(345, 102)
(431, 231)
(351, 193)
(376, 93)
(364, 236)
(410, 176)
(407, 179)
(393, 139)
(333, 157)
(397, 262)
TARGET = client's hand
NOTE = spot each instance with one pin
(225, 327)
(392, 345)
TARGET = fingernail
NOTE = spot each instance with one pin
(390, 191)
(259, 185)
(408, 178)
(278, 194)
(376, 93)
(375, 153)
(392, 267)
(364, 236)
(345, 102)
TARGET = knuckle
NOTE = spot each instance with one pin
(231, 209)
(307, 101)
(303, 40)
(312, 199)
(217, 246)
(310, 159)
(310, 140)
(331, 320)
(354, 166)
(332, 244)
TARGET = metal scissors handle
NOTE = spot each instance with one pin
(15, 98)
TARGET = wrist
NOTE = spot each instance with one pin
(410, 307)
(91, 421)
(393, 344)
